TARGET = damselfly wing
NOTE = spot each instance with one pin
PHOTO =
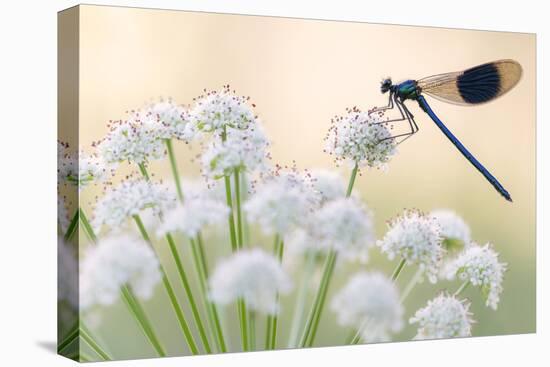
(475, 85)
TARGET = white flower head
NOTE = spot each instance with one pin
(415, 237)
(83, 169)
(243, 149)
(329, 184)
(360, 138)
(253, 275)
(282, 202)
(171, 119)
(130, 198)
(369, 302)
(67, 274)
(344, 225)
(117, 261)
(137, 140)
(215, 111)
(193, 215)
(443, 317)
(453, 227)
(479, 265)
(62, 214)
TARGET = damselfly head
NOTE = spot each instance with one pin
(385, 85)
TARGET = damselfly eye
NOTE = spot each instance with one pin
(385, 85)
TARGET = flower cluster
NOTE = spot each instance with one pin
(344, 225)
(479, 265)
(193, 215)
(172, 120)
(360, 138)
(453, 228)
(282, 202)
(83, 170)
(117, 261)
(215, 111)
(443, 317)
(253, 275)
(130, 198)
(329, 184)
(415, 237)
(135, 140)
(67, 274)
(242, 149)
(369, 302)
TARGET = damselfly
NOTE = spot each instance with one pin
(473, 86)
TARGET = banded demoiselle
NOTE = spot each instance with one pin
(473, 86)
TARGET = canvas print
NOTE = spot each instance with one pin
(233, 183)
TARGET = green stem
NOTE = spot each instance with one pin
(252, 329)
(356, 338)
(95, 347)
(139, 314)
(398, 270)
(174, 167)
(272, 320)
(184, 325)
(461, 288)
(231, 219)
(236, 179)
(71, 229)
(87, 226)
(243, 319)
(352, 180)
(144, 171)
(315, 314)
(297, 318)
(188, 292)
(410, 286)
(71, 337)
(212, 311)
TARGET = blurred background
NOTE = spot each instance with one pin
(299, 74)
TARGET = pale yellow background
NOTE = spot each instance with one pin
(300, 73)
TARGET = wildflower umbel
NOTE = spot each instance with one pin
(193, 215)
(83, 169)
(254, 275)
(136, 140)
(479, 265)
(344, 225)
(171, 119)
(360, 138)
(130, 198)
(282, 202)
(243, 149)
(215, 111)
(329, 184)
(443, 317)
(117, 261)
(453, 227)
(369, 303)
(415, 237)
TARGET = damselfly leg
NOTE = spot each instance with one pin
(406, 115)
